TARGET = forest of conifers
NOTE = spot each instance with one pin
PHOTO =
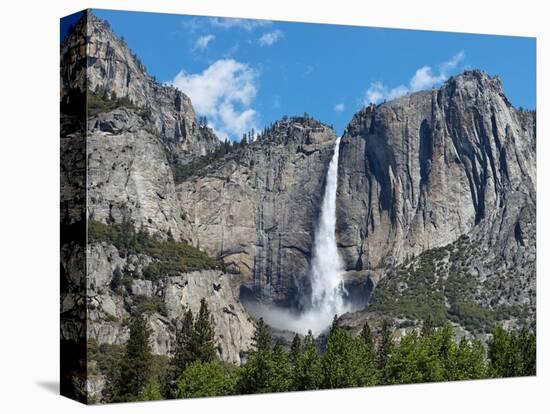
(345, 360)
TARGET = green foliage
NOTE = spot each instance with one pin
(262, 336)
(149, 304)
(427, 327)
(434, 357)
(207, 379)
(385, 346)
(423, 296)
(366, 335)
(184, 354)
(295, 348)
(198, 166)
(100, 102)
(117, 278)
(203, 335)
(195, 342)
(170, 257)
(347, 362)
(151, 392)
(135, 367)
(512, 354)
(308, 367)
(471, 315)
(266, 371)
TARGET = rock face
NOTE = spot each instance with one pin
(257, 207)
(129, 176)
(110, 66)
(108, 307)
(418, 172)
(131, 148)
(421, 171)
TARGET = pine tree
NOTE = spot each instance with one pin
(295, 348)
(184, 338)
(427, 327)
(385, 346)
(528, 349)
(262, 336)
(135, 368)
(308, 370)
(204, 343)
(366, 334)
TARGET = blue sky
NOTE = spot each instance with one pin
(247, 73)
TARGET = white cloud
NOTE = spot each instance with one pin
(224, 93)
(376, 92)
(339, 107)
(203, 41)
(246, 24)
(424, 78)
(270, 38)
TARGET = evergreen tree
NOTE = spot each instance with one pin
(280, 377)
(466, 361)
(499, 348)
(207, 379)
(262, 336)
(366, 334)
(184, 341)
(135, 368)
(151, 392)
(385, 346)
(511, 354)
(142, 236)
(427, 327)
(528, 349)
(308, 369)
(295, 348)
(413, 360)
(346, 362)
(204, 343)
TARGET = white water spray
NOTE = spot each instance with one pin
(326, 266)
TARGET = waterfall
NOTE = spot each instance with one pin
(326, 265)
(327, 290)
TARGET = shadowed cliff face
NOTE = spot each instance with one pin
(418, 172)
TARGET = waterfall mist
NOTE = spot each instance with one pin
(327, 289)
